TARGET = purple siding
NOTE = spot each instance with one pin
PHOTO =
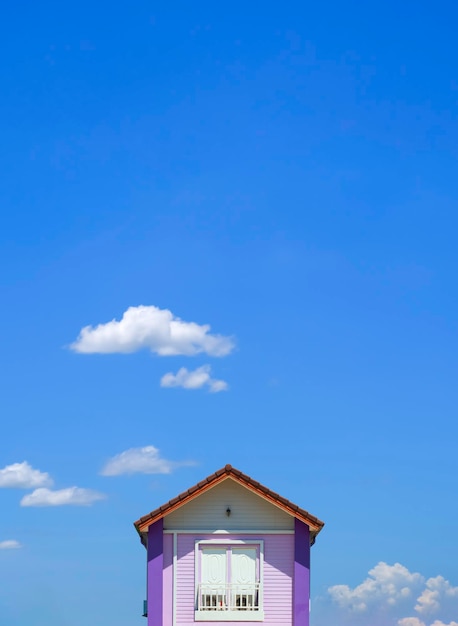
(301, 587)
(278, 577)
(155, 573)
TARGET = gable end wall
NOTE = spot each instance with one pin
(248, 511)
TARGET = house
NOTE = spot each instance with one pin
(228, 550)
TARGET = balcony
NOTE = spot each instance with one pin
(229, 602)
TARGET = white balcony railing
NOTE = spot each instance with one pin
(229, 597)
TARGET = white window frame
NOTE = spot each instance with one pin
(229, 616)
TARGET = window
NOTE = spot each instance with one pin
(229, 581)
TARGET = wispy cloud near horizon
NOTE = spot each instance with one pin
(391, 595)
(415, 621)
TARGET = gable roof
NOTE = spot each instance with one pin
(219, 476)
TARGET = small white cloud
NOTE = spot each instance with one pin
(195, 379)
(158, 330)
(23, 476)
(145, 460)
(10, 544)
(76, 496)
(218, 385)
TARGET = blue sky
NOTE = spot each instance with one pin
(283, 181)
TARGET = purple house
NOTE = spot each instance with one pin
(228, 550)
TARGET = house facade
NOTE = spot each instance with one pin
(228, 550)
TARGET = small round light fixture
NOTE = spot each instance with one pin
(228, 511)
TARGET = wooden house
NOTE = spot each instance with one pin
(228, 550)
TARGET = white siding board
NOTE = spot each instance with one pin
(248, 511)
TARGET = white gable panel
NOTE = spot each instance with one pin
(248, 511)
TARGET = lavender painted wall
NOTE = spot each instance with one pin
(301, 583)
(155, 558)
(278, 578)
(167, 592)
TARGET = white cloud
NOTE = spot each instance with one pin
(10, 544)
(437, 592)
(76, 496)
(155, 329)
(23, 476)
(195, 379)
(387, 583)
(145, 460)
(390, 595)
